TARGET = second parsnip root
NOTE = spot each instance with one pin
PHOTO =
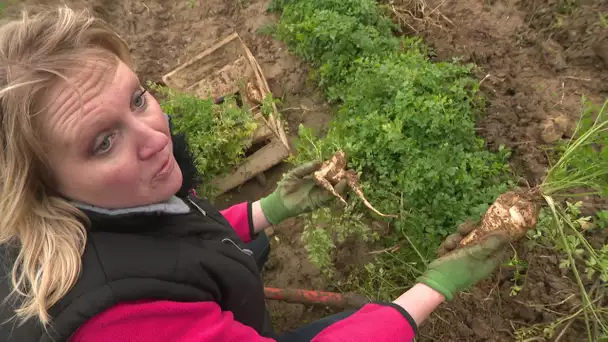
(513, 212)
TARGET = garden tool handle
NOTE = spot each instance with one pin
(310, 297)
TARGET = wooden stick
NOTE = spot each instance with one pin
(265, 89)
(199, 56)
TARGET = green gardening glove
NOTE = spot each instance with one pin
(465, 266)
(296, 194)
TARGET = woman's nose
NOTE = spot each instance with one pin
(150, 141)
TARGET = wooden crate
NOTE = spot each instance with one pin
(227, 68)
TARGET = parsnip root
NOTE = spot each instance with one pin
(513, 212)
(333, 171)
(329, 187)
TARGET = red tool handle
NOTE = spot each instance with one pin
(316, 297)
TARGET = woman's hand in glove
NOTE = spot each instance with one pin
(296, 194)
(463, 267)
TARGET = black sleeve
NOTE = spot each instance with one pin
(252, 232)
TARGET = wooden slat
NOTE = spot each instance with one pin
(265, 89)
(220, 82)
(268, 156)
(263, 132)
(167, 77)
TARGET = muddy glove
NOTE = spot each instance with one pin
(451, 242)
(296, 194)
(464, 267)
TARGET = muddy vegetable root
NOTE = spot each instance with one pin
(513, 212)
(333, 171)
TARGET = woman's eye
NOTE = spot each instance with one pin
(139, 100)
(104, 145)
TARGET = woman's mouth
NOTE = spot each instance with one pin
(166, 168)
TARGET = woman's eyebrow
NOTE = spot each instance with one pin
(96, 120)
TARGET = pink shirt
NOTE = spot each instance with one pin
(161, 321)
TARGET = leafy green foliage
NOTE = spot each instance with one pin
(564, 229)
(218, 134)
(578, 228)
(329, 227)
(575, 246)
(583, 161)
(581, 170)
(331, 34)
(266, 106)
(406, 124)
(602, 219)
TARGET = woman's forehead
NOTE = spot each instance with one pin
(87, 75)
(82, 92)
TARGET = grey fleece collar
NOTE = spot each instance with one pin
(173, 206)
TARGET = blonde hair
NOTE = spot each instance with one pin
(47, 232)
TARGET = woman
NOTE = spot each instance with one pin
(104, 239)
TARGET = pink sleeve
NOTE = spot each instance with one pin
(239, 217)
(160, 321)
(373, 323)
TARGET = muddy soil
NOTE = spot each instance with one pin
(495, 311)
(536, 59)
(535, 63)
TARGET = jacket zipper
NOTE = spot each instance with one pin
(244, 250)
(197, 207)
(225, 240)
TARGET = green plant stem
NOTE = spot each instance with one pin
(581, 238)
(592, 254)
(317, 151)
(573, 146)
(412, 269)
(569, 253)
(571, 181)
(423, 259)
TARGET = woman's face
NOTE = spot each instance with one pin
(115, 150)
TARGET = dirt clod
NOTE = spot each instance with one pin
(551, 131)
(565, 124)
(553, 54)
(556, 128)
(600, 47)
